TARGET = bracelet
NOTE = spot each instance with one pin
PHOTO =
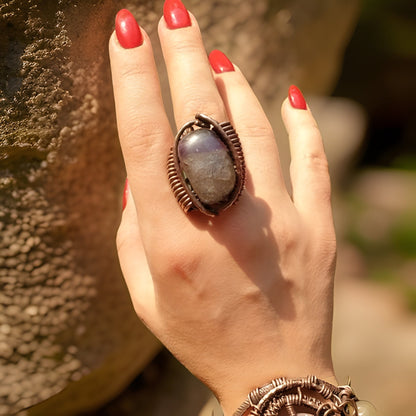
(287, 394)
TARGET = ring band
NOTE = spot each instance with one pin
(206, 168)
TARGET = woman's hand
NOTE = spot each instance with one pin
(244, 297)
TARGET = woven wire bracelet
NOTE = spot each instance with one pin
(290, 394)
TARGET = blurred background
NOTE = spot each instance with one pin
(369, 125)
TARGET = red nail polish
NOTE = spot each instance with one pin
(296, 98)
(128, 31)
(126, 193)
(176, 15)
(219, 62)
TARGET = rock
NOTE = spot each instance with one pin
(208, 166)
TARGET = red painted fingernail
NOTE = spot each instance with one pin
(296, 98)
(128, 31)
(219, 62)
(176, 15)
(126, 193)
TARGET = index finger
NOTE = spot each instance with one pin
(144, 130)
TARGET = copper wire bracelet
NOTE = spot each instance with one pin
(283, 393)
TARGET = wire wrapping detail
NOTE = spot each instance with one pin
(177, 187)
(187, 198)
(294, 394)
(235, 141)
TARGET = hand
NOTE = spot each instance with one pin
(245, 297)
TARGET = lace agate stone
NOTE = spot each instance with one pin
(207, 164)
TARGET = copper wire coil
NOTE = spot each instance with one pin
(291, 394)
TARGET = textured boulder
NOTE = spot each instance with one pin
(68, 334)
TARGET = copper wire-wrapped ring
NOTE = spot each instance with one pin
(206, 168)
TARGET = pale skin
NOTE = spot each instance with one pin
(245, 297)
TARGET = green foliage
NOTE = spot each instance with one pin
(384, 275)
(405, 162)
(403, 236)
(390, 22)
(411, 298)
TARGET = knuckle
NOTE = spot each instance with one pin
(256, 131)
(313, 171)
(310, 130)
(290, 239)
(316, 160)
(198, 102)
(176, 261)
(314, 132)
(129, 74)
(188, 47)
(142, 135)
(141, 131)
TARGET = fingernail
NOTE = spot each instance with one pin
(126, 193)
(219, 62)
(128, 31)
(176, 15)
(296, 98)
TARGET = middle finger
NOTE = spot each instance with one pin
(191, 81)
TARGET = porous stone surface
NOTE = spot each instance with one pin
(207, 164)
(69, 338)
(66, 321)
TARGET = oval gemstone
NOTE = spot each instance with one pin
(207, 164)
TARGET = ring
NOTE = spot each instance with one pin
(206, 168)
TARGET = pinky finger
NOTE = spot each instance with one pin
(309, 166)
